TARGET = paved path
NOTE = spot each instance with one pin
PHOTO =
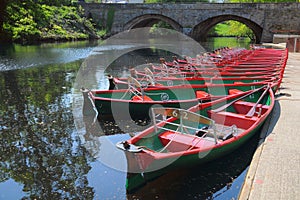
(274, 172)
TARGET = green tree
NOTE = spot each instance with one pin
(175, 1)
(3, 18)
(239, 29)
(55, 2)
(232, 28)
(34, 20)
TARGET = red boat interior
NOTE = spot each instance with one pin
(181, 142)
(239, 117)
(175, 142)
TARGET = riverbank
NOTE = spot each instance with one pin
(274, 170)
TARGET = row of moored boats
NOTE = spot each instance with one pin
(200, 108)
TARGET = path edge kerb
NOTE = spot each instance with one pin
(249, 178)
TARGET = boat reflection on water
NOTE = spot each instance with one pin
(220, 178)
(106, 125)
(95, 126)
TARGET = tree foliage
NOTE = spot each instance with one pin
(175, 1)
(34, 20)
(232, 28)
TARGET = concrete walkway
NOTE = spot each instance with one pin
(274, 172)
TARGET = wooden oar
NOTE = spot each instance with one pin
(240, 98)
(252, 110)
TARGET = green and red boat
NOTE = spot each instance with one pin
(136, 101)
(207, 131)
(154, 82)
(226, 72)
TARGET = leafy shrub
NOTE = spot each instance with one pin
(29, 22)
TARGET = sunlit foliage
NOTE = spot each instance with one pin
(232, 28)
(45, 20)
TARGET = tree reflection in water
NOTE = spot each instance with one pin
(39, 149)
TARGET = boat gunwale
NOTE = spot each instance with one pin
(267, 78)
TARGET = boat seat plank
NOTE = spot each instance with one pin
(234, 91)
(183, 142)
(229, 119)
(242, 107)
(201, 94)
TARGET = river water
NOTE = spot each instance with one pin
(47, 153)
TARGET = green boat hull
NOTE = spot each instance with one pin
(196, 81)
(119, 103)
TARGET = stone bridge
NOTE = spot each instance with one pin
(196, 19)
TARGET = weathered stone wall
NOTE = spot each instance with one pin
(195, 19)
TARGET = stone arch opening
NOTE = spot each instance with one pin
(149, 20)
(199, 32)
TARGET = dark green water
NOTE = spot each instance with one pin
(45, 153)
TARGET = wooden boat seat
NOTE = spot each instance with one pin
(242, 107)
(182, 142)
(201, 94)
(140, 98)
(234, 91)
(239, 118)
(229, 119)
(238, 82)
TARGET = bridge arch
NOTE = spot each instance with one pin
(148, 20)
(199, 32)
